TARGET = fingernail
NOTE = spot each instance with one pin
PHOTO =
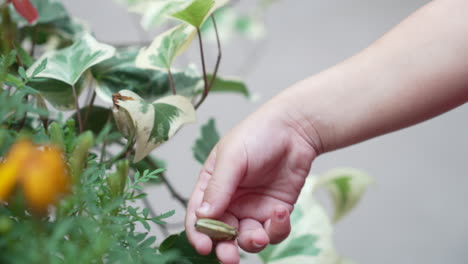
(257, 245)
(281, 215)
(204, 208)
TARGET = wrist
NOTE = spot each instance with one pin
(297, 117)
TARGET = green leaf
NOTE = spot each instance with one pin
(156, 12)
(58, 93)
(196, 12)
(22, 73)
(26, 59)
(121, 73)
(14, 81)
(346, 187)
(68, 64)
(98, 117)
(206, 142)
(152, 124)
(39, 68)
(164, 48)
(228, 85)
(186, 253)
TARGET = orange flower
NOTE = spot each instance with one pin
(41, 172)
(11, 166)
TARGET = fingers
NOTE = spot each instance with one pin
(279, 225)
(252, 237)
(227, 251)
(201, 242)
(230, 167)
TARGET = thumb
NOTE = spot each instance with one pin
(229, 169)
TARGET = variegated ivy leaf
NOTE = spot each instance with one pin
(155, 12)
(121, 73)
(163, 50)
(196, 12)
(346, 187)
(311, 237)
(231, 23)
(167, 46)
(151, 123)
(68, 64)
(58, 93)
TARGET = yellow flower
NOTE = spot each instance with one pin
(11, 166)
(40, 171)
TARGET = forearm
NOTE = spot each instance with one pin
(415, 72)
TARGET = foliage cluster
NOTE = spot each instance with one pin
(49, 62)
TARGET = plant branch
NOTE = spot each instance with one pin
(90, 105)
(171, 81)
(215, 72)
(169, 186)
(123, 153)
(202, 54)
(153, 214)
(104, 141)
(77, 106)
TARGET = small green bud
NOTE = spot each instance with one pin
(71, 124)
(117, 180)
(79, 155)
(56, 135)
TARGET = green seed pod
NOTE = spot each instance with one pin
(56, 135)
(217, 230)
(79, 156)
(117, 180)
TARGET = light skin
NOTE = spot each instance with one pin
(254, 175)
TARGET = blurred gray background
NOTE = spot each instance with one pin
(416, 211)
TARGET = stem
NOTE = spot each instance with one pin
(215, 72)
(125, 150)
(153, 214)
(33, 44)
(104, 141)
(171, 81)
(202, 54)
(169, 186)
(90, 105)
(77, 106)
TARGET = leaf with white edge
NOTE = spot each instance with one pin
(231, 23)
(166, 47)
(156, 12)
(196, 12)
(58, 93)
(206, 142)
(170, 44)
(309, 222)
(346, 187)
(151, 124)
(68, 64)
(170, 113)
(120, 73)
